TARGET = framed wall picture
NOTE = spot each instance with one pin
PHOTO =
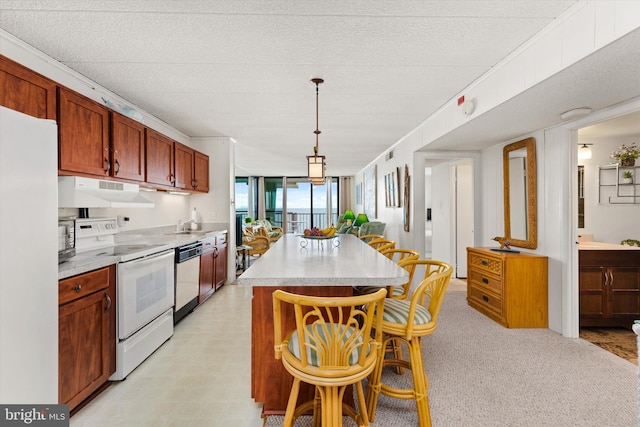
(359, 193)
(407, 198)
(369, 193)
(392, 188)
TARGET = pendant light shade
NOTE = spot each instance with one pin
(584, 152)
(316, 164)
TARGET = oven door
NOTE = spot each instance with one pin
(145, 291)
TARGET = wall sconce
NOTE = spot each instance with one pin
(584, 152)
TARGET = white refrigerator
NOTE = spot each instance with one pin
(28, 259)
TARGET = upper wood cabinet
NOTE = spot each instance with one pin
(184, 166)
(127, 148)
(201, 172)
(192, 169)
(83, 129)
(159, 159)
(26, 91)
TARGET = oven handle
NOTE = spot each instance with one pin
(149, 258)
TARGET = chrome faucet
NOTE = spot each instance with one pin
(181, 225)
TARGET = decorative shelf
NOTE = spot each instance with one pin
(613, 188)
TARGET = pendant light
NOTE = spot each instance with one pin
(584, 152)
(316, 163)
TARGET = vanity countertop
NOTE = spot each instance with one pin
(605, 246)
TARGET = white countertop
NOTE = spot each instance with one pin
(605, 246)
(352, 262)
(164, 237)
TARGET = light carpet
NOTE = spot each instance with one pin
(483, 375)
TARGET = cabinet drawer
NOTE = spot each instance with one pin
(79, 286)
(485, 263)
(487, 299)
(486, 280)
(221, 239)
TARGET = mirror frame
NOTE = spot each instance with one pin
(532, 224)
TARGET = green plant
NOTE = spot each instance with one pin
(626, 152)
(627, 174)
(248, 220)
(630, 242)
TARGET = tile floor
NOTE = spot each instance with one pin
(201, 377)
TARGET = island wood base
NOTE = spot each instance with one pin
(270, 381)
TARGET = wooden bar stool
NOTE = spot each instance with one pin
(331, 347)
(406, 322)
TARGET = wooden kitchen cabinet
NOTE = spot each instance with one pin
(510, 288)
(127, 148)
(83, 130)
(207, 269)
(26, 91)
(86, 336)
(184, 166)
(220, 260)
(201, 172)
(213, 265)
(609, 283)
(159, 159)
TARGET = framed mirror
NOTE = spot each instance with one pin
(520, 207)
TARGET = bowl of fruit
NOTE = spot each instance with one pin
(316, 233)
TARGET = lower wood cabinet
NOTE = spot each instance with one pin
(510, 288)
(213, 265)
(609, 282)
(86, 335)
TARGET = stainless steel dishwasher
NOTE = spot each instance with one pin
(187, 279)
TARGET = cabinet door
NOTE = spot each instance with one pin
(84, 347)
(127, 148)
(26, 91)
(592, 292)
(624, 291)
(221, 262)
(184, 166)
(83, 128)
(201, 171)
(207, 265)
(159, 159)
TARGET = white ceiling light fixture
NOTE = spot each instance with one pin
(316, 164)
(584, 152)
(576, 112)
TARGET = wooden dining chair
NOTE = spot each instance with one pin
(369, 237)
(335, 343)
(382, 244)
(406, 322)
(397, 255)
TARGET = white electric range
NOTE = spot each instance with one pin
(145, 288)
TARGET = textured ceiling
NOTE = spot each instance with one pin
(242, 69)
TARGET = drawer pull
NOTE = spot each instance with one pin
(77, 288)
(485, 280)
(108, 307)
(484, 262)
(485, 298)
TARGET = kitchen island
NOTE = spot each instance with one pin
(304, 266)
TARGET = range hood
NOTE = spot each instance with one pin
(80, 192)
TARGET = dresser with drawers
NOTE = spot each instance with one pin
(508, 287)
